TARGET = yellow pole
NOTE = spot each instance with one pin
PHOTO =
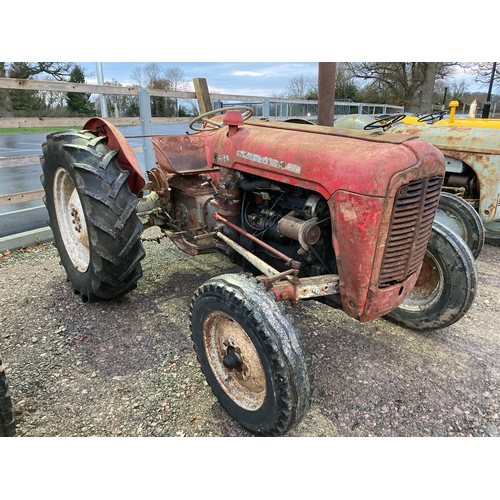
(453, 106)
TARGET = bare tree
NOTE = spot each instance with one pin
(409, 84)
(430, 72)
(176, 78)
(457, 90)
(177, 82)
(153, 76)
(301, 85)
(137, 76)
(482, 72)
(115, 101)
(345, 82)
(144, 76)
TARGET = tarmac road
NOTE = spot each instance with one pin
(27, 216)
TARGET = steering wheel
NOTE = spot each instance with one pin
(431, 117)
(207, 124)
(385, 123)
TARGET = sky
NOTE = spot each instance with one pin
(243, 78)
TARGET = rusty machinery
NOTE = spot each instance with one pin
(308, 212)
(471, 148)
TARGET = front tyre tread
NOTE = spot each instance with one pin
(281, 352)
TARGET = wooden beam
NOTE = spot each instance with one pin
(202, 94)
(326, 93)
(60, 122)
(19, 161)
(10, 199)
(12, 83)
(80, 122)
(24, 161)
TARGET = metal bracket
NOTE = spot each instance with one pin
(286, 285)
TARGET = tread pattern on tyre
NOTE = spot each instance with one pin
(285, 348)
(7, 422)
(109, 206)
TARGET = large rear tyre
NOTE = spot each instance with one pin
(7, 422)
(459, 216)
(251, 354)
(92, 215)
(446, 286)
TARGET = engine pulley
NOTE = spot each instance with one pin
(306, 232)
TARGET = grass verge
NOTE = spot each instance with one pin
(33, 130)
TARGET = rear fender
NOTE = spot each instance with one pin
(126, 156)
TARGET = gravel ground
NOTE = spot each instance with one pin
(127, 367)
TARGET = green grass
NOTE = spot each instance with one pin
(33, 130)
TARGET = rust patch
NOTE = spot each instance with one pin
(347, 210)
(181, 154)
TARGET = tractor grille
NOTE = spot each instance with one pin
(411, 225)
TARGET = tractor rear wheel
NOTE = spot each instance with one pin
(7, 422)
(459, 216)
(92, 215)
(251, 354)
(446, 286)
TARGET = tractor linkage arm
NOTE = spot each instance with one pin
(284, 285)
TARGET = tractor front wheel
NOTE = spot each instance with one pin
(251, 354)
(446, 286)
(459, 216)
(92, 214)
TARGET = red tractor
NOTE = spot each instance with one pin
(309, 212)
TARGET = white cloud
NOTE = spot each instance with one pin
(247, 73)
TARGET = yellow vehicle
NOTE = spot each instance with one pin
(472, 156)
(436, 118)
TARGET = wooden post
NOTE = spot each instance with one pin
(326, 93)
(202, 94)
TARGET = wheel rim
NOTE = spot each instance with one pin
(428, 288)
(71, 220)
(453, 222)
(234, 361)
